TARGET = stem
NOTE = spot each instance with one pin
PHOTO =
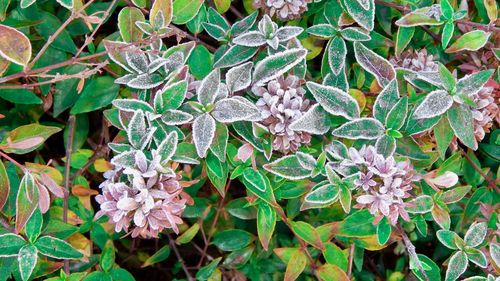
(411, 251)
(179, 257)
(4, 155)
(491, 182)
(351, 259)
(69, 148)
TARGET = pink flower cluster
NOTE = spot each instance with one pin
(147, 196)
(383, 183)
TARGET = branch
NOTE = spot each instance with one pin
(69, 148)
(411, 252)
(179, 258)
(491, 183)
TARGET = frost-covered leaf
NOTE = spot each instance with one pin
(286, 33)
(471, 84)
(217, 32)
(337, 52)
(363, 128)
(166, 149)
(288, 167)
(209, 87)
(235, 109)
(324, 30)
(461, 121)
(176, 117)
(375, 64)
(320, 196)
(456, 266)
(239, 77)
(137, 129)
(144, 81)
(250, 39)
(235, 55)
(495, 253)
(448, 238)
(355, 34)
(475, 234)
(420, 205)
(244, 25)
(477, 256)
(132, 105)
(434, 104)
(362, 11)
(219, 144)
(385, 145)
(456, 194)
(170, 97)
(277, 64)
(423, 16)
(334, 101)
(27, 259)
(259, 185)
(386, 100)
(337, 81)
(314, 121)
(203, 133)
(396, 117)
(137, 60)
(470, 41)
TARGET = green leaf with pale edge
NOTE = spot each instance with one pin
(277, 64)
(362, 128)
(334, 100)
(10, 244)
(288, 167)
(56, 248)
(375, 64)
(185, 10)
(27, 138)
(27, 201)
(165, 7)
(259, 184)
(337, 52)
(4, 185)
(461, 121)
(456, 266)
(307, 233)
(403, 38)
(27, 259)
(295, 266)
(127, 18)
(470, 41)
(266, 222)
(383, 231)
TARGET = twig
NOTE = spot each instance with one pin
(191, 37)
(179, 258)
(69, 148)
(236, 12)
(490, 181)
(411, 252)
(351, 259)
(4, 155)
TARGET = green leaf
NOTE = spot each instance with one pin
(447, 33)
(358, 224)
(27, 259)
(383, 231)
(259, 184)
(232, 239)
(217, 173)
(266, 222)
(456, 266)
(219, 143)
(321, 195)
(48, 25)
(448, 238)
(330, 272)
(419, 17)
(4, 185)
(446, 9)
(449, 82)
(275, 65)
(396, 117)
(188, 235)
(100, 92)
(408, 147)
(10, 244)
(362, 128)
(235, 55)
(27, 200)
(195, 25)
(185, 10)
(307, 233)
(205, 272)
(162, 254)
(200, 62)
(362, 11)
(107, 257)
(443, 135)
(296, 265)
(222, 5)
(385, 101)
(461, 121)
(127, 18)
(26, 138)
(470, 41)
(14, 45)
(433, 273)
(420, 205)
(491, 9)
(288, 167)
(34, 226)
(334, 255)
(454, 195)
(56, 248)
(375, 64)
(20, 96)
(477, 257)
(324, 30)
(334, 100)
(120, 274)
(403, 38)
(336, 51)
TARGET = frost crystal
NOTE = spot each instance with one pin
(383, 183)
(282, 103)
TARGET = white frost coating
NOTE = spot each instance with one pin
(239, 77)
(313, 121)
(385, 145)
(167, 147)
(132, 105)
(364, 3)
(378, 66)
(323, 30)
(136, 129)
(363, 16)
(470, 85)
(385, 101)
(209, 87)
(250, 39)
(275, 65)
(235, 109)
(306, 160)
(27, 259)
(137, 60)
(461, 122)
(288, 167)
(334, 100)
(325, 192)
(434, 104)
(337, 52)
(175, 117)
(143, 81)
(286, 33)
(355, 34)
(363, 128)
(203, 133)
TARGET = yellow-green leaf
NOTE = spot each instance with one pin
(14, 45)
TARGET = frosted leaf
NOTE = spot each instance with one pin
(286, 33)
(275, 65)
(338, 81)
(420, 205)
(203, 133)
(209, 87)
(113, 47)
(385, 145)
(321, 195)
(322, 30)
(495, 253)
(157, 64)
(422, 16)
(250, 39)
(137, 60)
(267, 26)
(363, 16)
(245, 24)
(222, 93)
(314, 121)
(396, 117)
(167, 147)
(456, 266)
(475, 234)
(363, 128)
(434, 104)
(273, 42)
(27, 260)
(334, 101)
(171, 96)
(306, 160)
(470, 85)
(239, 77)
(288, 167)
(145, 81)
(215, 31)
(219, 144)
(461, 121)
(174, 62)
(235, 109)
(132, 105)
(136, 129)
(355, 34)
(125, 79)
(175, 117)
(125, 159)
(184, 48)
(375, 64)
(119, 147)
(337, 52)
(386, 100)
(235, 55)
